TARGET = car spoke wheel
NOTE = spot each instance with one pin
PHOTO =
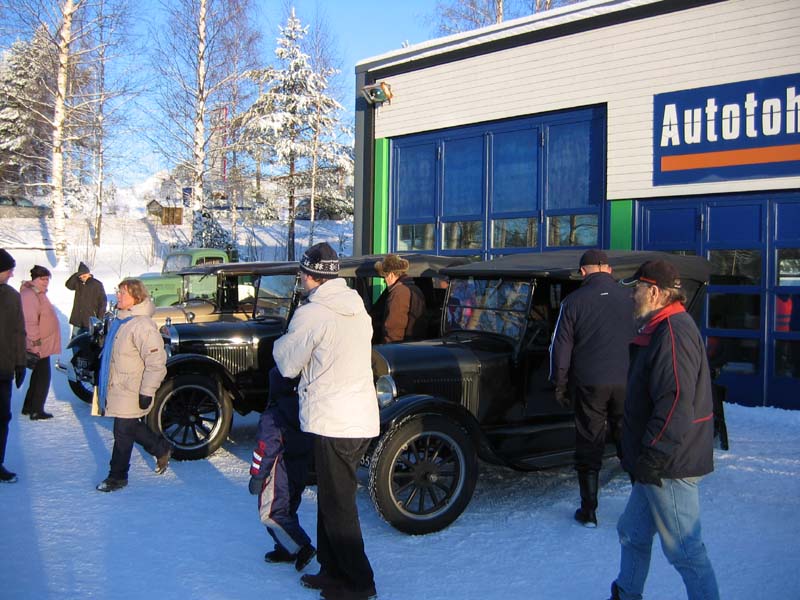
(423, 473)
(193, 413)
(83, 368)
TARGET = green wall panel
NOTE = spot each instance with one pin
(380, 227)
(621, 225)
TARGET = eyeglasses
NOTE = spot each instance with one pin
(121, 292)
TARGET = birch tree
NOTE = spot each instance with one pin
(192, 57)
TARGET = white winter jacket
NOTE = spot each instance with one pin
(329, 345)
(138, 362)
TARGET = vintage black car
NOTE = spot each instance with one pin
(214, 292)
(216, 368)
(481, 390)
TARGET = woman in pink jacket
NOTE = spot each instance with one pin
(43, 339)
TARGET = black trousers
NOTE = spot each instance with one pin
(126, 432)
(340, 545)
(38, 386)
(5, 415)
(597, 408)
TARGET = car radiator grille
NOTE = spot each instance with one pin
(456, 389)
(234, 358)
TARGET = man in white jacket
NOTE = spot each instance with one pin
(328, 346)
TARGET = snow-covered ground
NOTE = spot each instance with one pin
(194, 533)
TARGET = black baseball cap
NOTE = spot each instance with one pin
(656, 272)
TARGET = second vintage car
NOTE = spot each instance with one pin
(481, 390)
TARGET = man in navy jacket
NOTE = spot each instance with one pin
(668, 438)
(589, 366)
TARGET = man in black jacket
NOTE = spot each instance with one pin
(589, 366)
(668, 438)
(90, 299)
(12, 352)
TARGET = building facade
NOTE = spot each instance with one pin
(624, 124)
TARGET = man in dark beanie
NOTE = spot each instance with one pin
(12, 353)
(328, 346)
(90, 299)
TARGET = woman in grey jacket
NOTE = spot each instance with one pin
(132, 366)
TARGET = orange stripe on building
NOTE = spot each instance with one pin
(731, 158)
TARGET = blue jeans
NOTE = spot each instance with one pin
(672, 511)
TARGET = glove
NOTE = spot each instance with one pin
(562, 397)
(19, 375)
(649, 467)
(255, 485)
(144, 401)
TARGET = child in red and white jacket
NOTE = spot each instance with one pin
(278, 473)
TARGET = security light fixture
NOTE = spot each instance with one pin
(377, 93)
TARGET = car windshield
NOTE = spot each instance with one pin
(489, 305)
(177, 262)
(274, 295)
(199, 287)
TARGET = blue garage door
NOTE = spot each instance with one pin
(752, 316)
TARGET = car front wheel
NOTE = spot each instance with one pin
(422, 474)
(193, 413)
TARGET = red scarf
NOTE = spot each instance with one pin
(646, 331)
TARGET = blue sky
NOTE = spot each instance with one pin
(362, 29)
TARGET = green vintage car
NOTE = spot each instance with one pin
(165, 287)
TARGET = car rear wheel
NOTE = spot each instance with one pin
(194, 413)
(422, 474)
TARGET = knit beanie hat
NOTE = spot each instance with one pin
(320, 261)
(7, 261)
(39, 271)
(83, 268)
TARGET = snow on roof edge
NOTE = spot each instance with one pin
(514, 27)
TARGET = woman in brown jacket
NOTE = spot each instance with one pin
(43, 339)
(132, 366)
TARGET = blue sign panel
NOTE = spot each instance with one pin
(744, 130)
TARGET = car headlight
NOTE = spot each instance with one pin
(386, 390)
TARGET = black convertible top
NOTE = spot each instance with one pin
(420, 265)
(563, 264)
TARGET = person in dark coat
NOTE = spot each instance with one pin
(279, 470)
(403, 303)
(668, 438)
(90, 299)
(589, 367)
(12, 353)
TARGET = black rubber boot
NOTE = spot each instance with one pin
(586, 515)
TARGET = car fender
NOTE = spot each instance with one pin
(203, 365)
(413, 405)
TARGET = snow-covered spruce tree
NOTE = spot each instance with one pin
(208, 233)
(293, 123)
(26, 110)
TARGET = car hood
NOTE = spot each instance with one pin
(447, 356)
(227, 332)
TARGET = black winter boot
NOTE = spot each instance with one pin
(586, 515)
(614, 591)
